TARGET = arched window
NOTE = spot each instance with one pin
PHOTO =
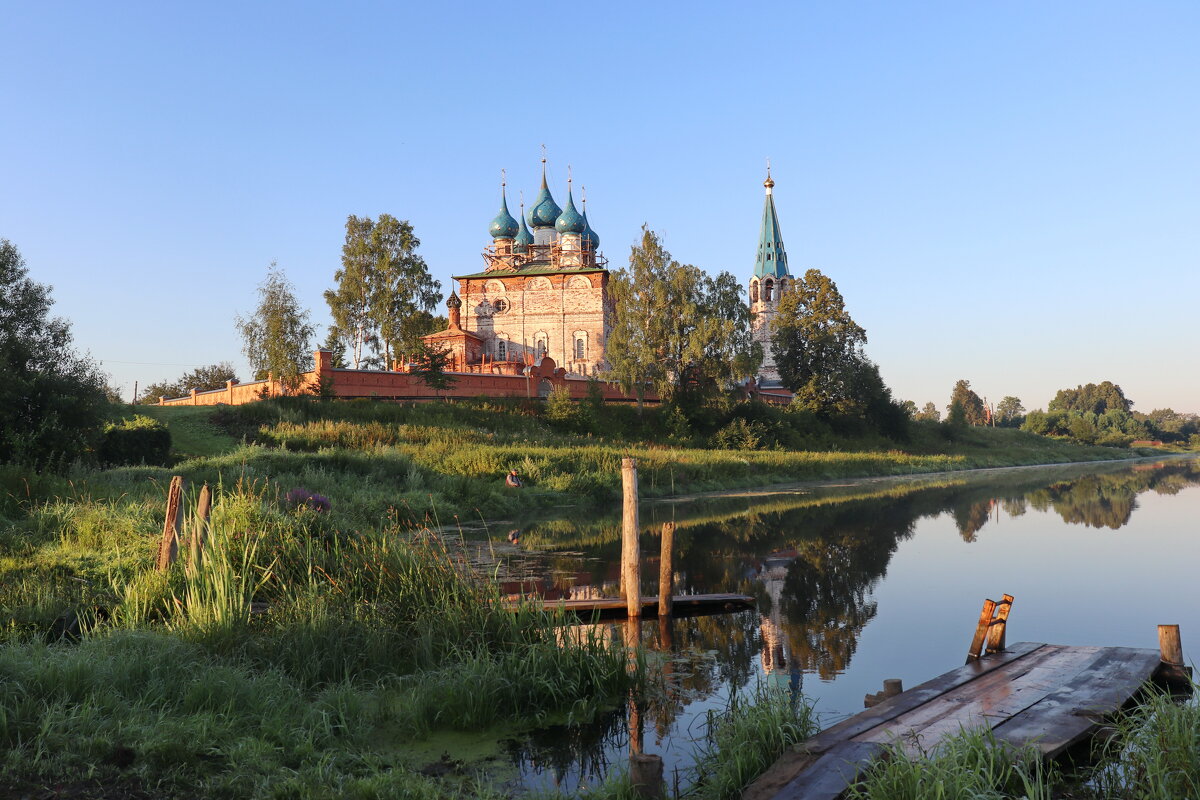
(541, 344)
(494, 287)
(783, 287)
(768, 285)
(539, 284)
(753, 291)
(580, 345)
(501, 354)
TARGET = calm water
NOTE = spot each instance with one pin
(867, 581)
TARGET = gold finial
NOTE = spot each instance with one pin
(770, 184)
(543, 153)
(503, 180)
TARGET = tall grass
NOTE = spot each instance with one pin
(1155, 753)
(971, 765)
(746, 738)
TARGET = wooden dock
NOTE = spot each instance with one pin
(1051, 696)
(683, 605)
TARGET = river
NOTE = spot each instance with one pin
(864, 581)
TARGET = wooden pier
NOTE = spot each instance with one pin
(1051, 696)
(682, 605)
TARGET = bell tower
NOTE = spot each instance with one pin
(770, 281)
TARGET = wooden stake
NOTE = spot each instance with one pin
(200, 527)
(1172, 670)
(646, 775)
(168, 548)
(631, 573)
(981, 630)
(666, 572)
(996, 637)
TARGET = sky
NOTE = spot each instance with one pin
(1003, 192)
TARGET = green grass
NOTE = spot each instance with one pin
(192, 432)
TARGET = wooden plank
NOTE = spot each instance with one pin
(168, 547)
(995, 641)
(826, 778)
(1069, 714)
(915, 697)
(615, 607)
(981, 629)
(1005, 691)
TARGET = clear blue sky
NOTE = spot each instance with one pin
(1007, 192)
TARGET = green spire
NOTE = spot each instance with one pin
(772, 258)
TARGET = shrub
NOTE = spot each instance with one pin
(140, 440)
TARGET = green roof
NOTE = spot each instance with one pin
(533, 269)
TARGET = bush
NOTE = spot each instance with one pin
(140, 440)
(739, 435)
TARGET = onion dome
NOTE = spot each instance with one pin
(524, 237)
(544, 211)
(570, 220)
(591, 241)
(453, 302)
(503, 226)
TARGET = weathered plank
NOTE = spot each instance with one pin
(1051, 696)
(1072, 712)
(616, 607)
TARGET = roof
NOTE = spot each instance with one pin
(771, 261)
(533, 269)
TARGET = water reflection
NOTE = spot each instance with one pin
(814, 560)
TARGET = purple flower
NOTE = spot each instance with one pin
(298, 498)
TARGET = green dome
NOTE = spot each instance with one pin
(570, 220)
(524, 238)
(544, 211)
(590, 240)
(503, 226)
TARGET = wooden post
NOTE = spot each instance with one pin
(631, 573)
(892, 687)
(168, 548)
(646, 775)
(200, 527)
(1170, 648)
(981, 630)
(666, 572)
(996, 633)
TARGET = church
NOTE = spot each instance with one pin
(542, 294)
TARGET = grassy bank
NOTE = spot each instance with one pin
(174, 683)
(438, 460)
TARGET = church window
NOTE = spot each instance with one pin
(768, 285)
(754, 291)
(580, 346)
(579, 282)
(539, 284)
(500, 304)
(494, 287)
(541, 343)
(501, 355)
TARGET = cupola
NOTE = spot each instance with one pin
(544, 211)
(503, 226)
(570, 220)
(591, 241)
(524, 237)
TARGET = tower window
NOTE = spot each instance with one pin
(501, 355)
(767, 287)
(580, 348)
(754, 291)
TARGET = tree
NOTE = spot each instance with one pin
(336, 347)
(973, 412)
(674, 326)
(202, 379)
(52, 401)
(1095, 398)
(930, 413)
(430, 364)
(1010, 412)
(384, 293)
(818, 348)
(276, 337)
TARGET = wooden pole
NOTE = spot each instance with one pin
(168, 548)
(200, 526)
(631, 573)
(1170, 648)
(666, 571)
